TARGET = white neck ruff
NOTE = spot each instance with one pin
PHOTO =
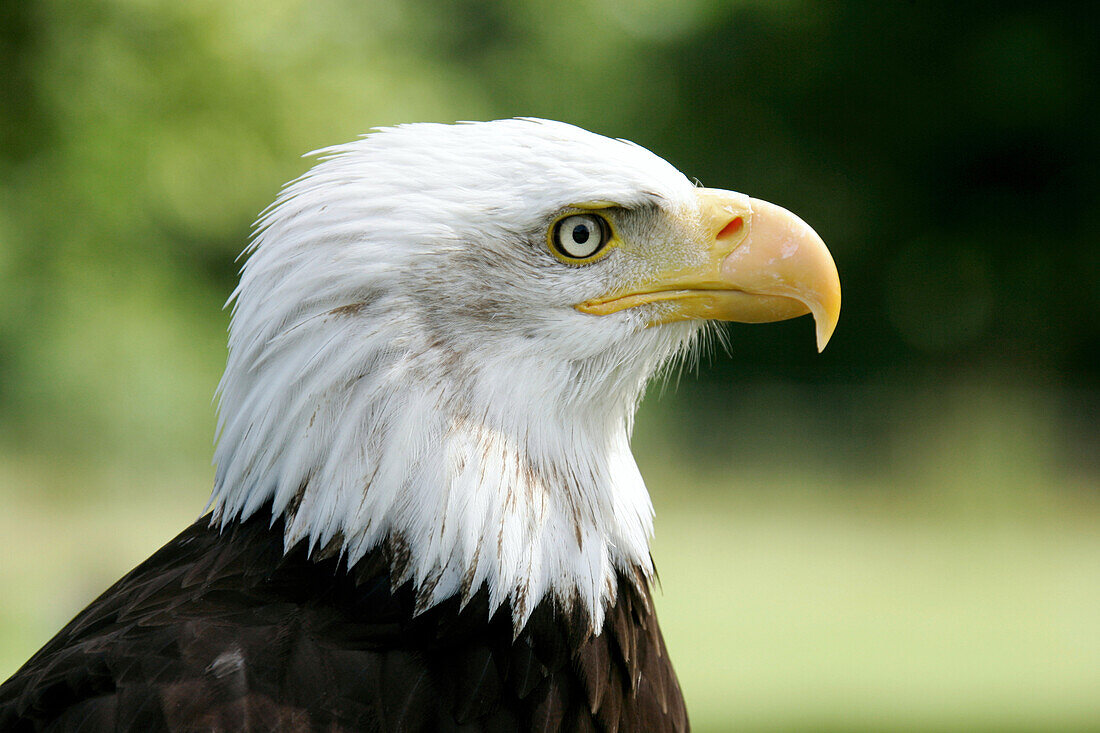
(523, 493)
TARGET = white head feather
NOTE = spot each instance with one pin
(406, 365)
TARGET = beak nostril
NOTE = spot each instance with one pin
(732, 228)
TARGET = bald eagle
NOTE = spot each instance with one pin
(426, 514)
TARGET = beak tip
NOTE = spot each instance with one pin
(806, 268)
(825, 321)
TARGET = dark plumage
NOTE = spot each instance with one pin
(225, 632)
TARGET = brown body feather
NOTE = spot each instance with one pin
(225, 632)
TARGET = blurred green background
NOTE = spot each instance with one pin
(901, 533)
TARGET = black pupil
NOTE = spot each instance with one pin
(580, 233)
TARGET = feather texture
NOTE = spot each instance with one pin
(223, 631)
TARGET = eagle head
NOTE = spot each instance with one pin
(441, 334)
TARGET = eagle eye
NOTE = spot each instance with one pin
(580, 236)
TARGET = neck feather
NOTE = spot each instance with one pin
(472, 474)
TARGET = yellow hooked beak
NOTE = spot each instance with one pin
(749, 261)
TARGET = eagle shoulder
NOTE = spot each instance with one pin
(223, 631)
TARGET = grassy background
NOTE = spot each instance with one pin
(901, 533)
